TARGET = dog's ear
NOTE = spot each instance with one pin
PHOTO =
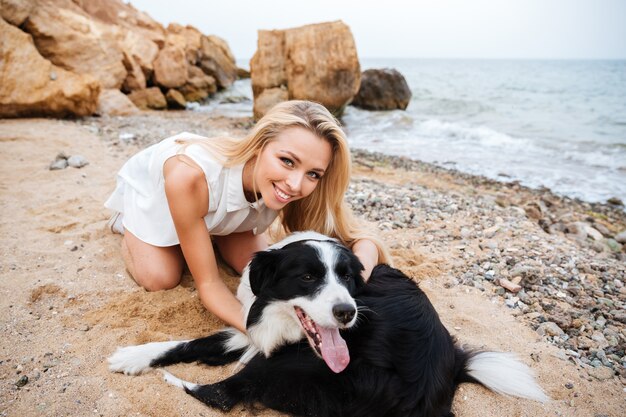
(263, 269)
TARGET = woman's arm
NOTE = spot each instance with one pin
(188, 196)
(367, 252)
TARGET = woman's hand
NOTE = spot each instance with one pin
(367, 252)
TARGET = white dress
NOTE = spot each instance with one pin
(140, 195)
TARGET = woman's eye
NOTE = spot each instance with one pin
(314, 175)
(308, 278)
(287, 161)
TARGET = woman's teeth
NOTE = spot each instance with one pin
(282, 195)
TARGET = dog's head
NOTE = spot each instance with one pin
(305, 288)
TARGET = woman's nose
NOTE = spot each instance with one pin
(294, 181)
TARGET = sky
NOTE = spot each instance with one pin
(467, 29)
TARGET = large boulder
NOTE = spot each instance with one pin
(217, 60)
(170, 67)
(150, 98)
(30, 85)
(315, 62)
(198, 86)
(115, 103)
(69, 38)
(382, 89)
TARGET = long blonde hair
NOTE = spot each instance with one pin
(324, 210)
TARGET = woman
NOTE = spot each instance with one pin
(178, 197)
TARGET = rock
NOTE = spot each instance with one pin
(22, 381)
(116, 12)
(613, 245)
(71, 39)
(16, 12)
(505, 283)
(115, 103)
(268, 99)
(199, 86)
(135, 77)
(27, 87)
(549, 329)
(615, 201)
(175, 99)
(170, 67)
(382, 89)
(188, 38)
(621, 237)
(242, 73)
(58, 163)
(217, 60)
(150, 98)
(77, 161)
(314, 62)
(533, 211)
(601, 372)
(592, 232)
(142, 50)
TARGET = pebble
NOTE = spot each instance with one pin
(22, 381)
(549, 329)
(77, 161)
(601, 372)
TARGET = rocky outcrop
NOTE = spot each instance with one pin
(69, 38)
(120, 48)
(382, 89)
(315, 62)
(30, 85)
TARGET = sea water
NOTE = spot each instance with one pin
(554, 124)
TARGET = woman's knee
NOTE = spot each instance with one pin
(157, 280)
(153, 268)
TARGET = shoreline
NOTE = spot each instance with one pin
(68, 302)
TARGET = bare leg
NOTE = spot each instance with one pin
(152, 267)
(237, 248)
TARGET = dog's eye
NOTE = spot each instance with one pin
(347, 277)
(308, 278)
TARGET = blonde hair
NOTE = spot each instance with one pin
(324, 210)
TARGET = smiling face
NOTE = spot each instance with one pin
(288, 168)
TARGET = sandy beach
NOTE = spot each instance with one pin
(67, 302)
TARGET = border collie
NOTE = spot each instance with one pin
(321, 342)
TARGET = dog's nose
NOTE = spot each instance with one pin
(344, 312)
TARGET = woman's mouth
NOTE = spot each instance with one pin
(281, 195)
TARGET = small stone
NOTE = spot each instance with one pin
(601, 372)
(621, 237)
(22, 381)
(569, 385)
(613, 245)
(53, 76)
(58, 164)
(127, 137)
(77, 161)
(549, 328)
(615, 201)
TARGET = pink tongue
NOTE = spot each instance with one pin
(334, 349)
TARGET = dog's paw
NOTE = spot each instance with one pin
(133, 360)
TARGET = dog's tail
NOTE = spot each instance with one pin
(502, 373)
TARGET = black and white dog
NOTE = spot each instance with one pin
(321, 342)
